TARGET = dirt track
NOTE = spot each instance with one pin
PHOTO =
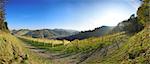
(55, 58)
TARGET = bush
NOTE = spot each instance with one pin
(144, 12)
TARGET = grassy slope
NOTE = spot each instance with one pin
(76, 45)
(84, 47)
(93, 43)
(13, 52)
(135, 50)
(49, 45)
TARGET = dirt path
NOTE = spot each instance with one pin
(41, 52)
(55, 58)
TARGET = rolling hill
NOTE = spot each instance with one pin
(128, 44)
(44, 33)
(97, 32)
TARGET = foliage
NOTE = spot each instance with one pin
(14, 52)
(93, 43)
(75, 46)
(144, 12)
(3, 25)
(135, 50)
(130, 26)
(49, 45)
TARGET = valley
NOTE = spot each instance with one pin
(74, 55)
(126, 43)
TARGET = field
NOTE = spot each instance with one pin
(67, 49)
(15, 52)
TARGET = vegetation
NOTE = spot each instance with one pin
(131, 25)
(44, 33)
(14, 52)
(3, 25)
(49, 45)
(97, 32)
(135, 50)
(116, 48)
(144, 13)
(76, 46)
(93, 43)
(85, 46)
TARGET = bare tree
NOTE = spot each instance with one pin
(3, 24)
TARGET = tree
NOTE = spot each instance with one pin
(3, 25)
(132, 25)
(144, 12)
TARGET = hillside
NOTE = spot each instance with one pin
(127, 43)
(135, 50)
(13, 51)
(97, 32)
(111, 49)
(76, 51)
(44, 33)
(20, 32)
(132, 50)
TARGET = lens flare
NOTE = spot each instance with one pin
(135, 3)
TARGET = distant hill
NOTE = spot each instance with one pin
(20, 32)
(100, 31)
(44, 33)
(130, 26)
(118, 48)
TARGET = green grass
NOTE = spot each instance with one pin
(135, 50)
(75, 46)
(45, 46)
(36, 59)
(93, 43)
(13, 52)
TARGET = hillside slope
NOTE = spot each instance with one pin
(135, 50)
(20, 32)
(78, 51)
(97, 32)
(44, 33)
(14, 51)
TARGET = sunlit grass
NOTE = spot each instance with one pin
(135, 50)
(13, 52)
(94, 43)
(76, 45)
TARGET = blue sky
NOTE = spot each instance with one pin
(68, 14)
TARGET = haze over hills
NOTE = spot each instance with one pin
(97, 32)
(44, 33)
(126, 43)
(61, 34)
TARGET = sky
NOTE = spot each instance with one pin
(68, 14)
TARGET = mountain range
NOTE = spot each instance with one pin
(44, 33)
(97, 32)
(126, 43)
